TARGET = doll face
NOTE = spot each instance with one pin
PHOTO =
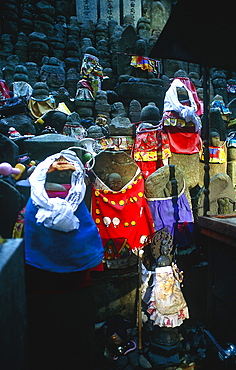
(115, 181)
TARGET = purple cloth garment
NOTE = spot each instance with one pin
(175, 214)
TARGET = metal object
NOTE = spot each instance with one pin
(224, 354)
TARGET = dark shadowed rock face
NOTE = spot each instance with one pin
(23, 123)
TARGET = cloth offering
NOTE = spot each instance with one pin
(92, 70)
(175, 214)
(150, 145)
(61, 252)
(39, 107)
(166, 305)
(190, 86)
(144, 63)
(58, 213)
(60, 234)
(216, 154)
(122, 217)
(183, 140)
(187, 113)
(84, 91)
(231, 139)
(116, 143)
(4, 91)
(22, 89)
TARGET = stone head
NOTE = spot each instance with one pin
(151, 114)
(91, 50)
(115, 181)
(214, 138)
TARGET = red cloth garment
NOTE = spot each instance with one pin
(150, 148)
(183, 140)
(4, 92)
(122, 217)
(147, 168)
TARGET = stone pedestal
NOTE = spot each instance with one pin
(13, 306)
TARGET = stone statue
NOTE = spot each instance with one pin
(115, 181)
(133, 61)
(91, 69)
(165, 258)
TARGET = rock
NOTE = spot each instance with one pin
(143, 361)
(42, 146)
(108, 162)
(142, 91)
(190, 166)
(120, 126)
(156, 183)
(220, 189)
(52, 72)
(134, 111)
(23, 123)
(217, 123)
(72, 78)
(21, 47)
(95, 132)
(11, 202)
(33, 72)
(8, 150)
(118, 110)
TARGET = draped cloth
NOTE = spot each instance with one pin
(144, 63)
(166, 304)
(38, 107)
(22, 89)
(122, 217)
(58, 213)
(183, 140)
(92, 70)
(175, 214)
(150, 148)
(61, 252)
(4, 91)
(60, 234)
(187, 113)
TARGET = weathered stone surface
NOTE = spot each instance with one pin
(134, 111)
(220, 188)
(22, 123)
(231, 171)
(189, 164)
(158, 185)
(33, 72)
(217, 123)
(108, 162)
(120, 126)
(118, 110)
(141, 91)
(8, 150)
(42, 146)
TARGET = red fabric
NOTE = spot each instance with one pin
(183, 140)
(123, 218)
(4, 91)
(147, 168)
(188, 83)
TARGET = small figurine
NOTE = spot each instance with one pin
(115, 181)
(165, 258)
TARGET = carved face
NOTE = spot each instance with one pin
(215, 139)
(115, 181)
